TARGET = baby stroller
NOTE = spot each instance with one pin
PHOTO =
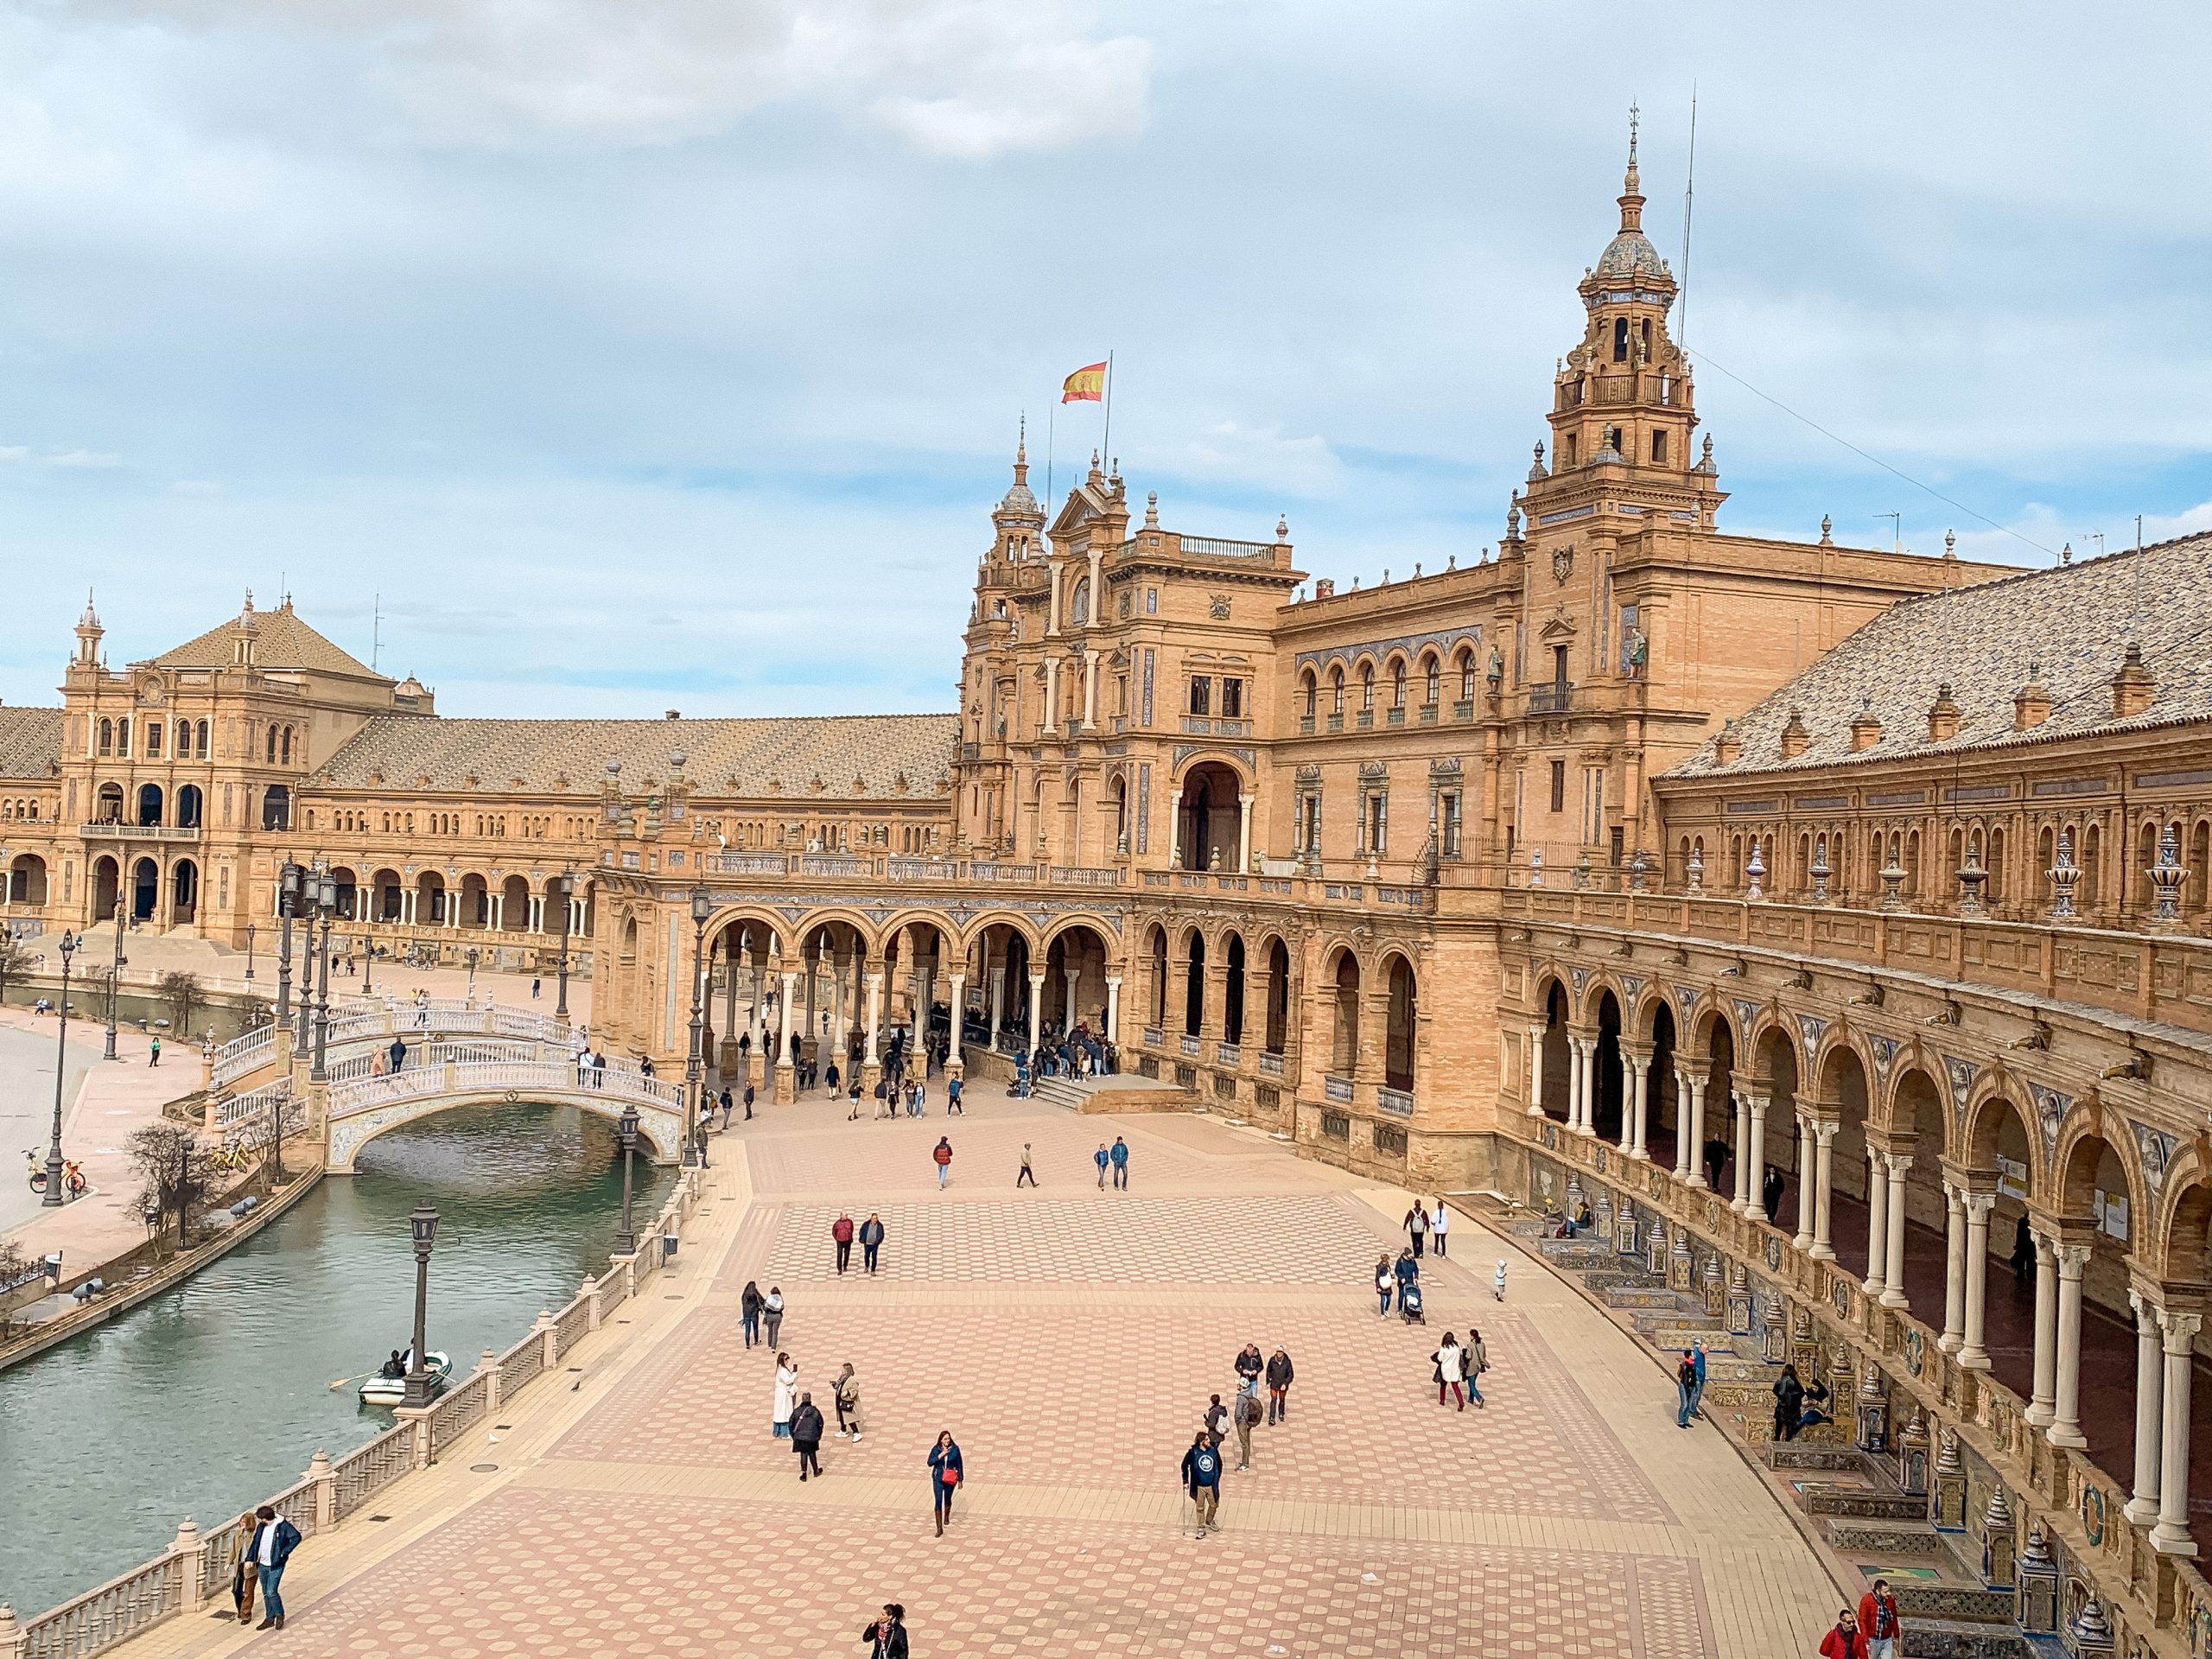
(1409, 1303)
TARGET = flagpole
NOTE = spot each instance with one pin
(1051, 422)
(1107, 443)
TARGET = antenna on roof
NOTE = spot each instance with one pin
(1689, 200)
(376, 630)
(1896, 529)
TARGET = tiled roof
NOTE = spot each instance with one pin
(2068, 627)
(284, 642)
(30, 741)
(764, 758)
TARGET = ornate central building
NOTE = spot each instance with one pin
(1826, 922)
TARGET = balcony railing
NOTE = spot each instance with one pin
(1081, 875)
(1214, 547)
(1338, 1089)
(1396, 1101)
(1270, 1064)
(1230, 1054)
(1550, 699)
(982, 872)
(1188, 1044)
(109, 830)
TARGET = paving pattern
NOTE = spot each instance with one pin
(1070, 1338)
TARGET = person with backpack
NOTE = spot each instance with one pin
(772, 1312)
(871, 1240)
(942, 1154)
(1416, 1225)
(946, 1473)
(1202, 1479)
(1684, 1389)
(1247, 1417)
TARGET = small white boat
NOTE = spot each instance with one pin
(382, 1390)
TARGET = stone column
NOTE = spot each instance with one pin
(2066, 1406)
(1878, 1226)
(834, 1042)
(1681, 1124)
(813, 1032)
(1893, 1292)
(955, 1061)
(1090, 680)
(2170, 1536)
(1036, 1004)
(1754, 1180)
(786, 1077)
(1052, 600)
(871, 1064)
(998, 995)
(2150, 1374)
(2040, 1411)
(729, 994)
(1536, 1071)
(1573, 1084)
(1114, 1009)
(1972, 1356)
(1639, 1145)
(1954, 1270)
(1052, 693)
(1807, 1187)
(1074, 978)
(1243, 833)
(1824, 1133)
(1695, 1179)
(1741, 1202)
(752, 1016)
(1629, 1068)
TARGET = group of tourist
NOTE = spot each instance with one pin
(869, 1232)
(1115, 1158)
(1201, 1467)
(1426, 1224)
(1872, 1631)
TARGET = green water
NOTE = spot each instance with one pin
(207, 1398)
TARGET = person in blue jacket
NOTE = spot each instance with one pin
(1202, 1479)
(945, 1475)
(1120, 1154)
(271, 1545)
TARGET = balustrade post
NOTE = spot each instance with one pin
(589, 1296)
(416, 1418)
(549, 1336)
(185, 1549)
(489, 1366)
(11, 1633)
(325, 1489)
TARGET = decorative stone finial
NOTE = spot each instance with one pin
(2035, 1550)
(1152, 509)
(1997, 1514)
(1947, 1460)
(1827, 538)
(1282, 527)
(1950, 545)
(1536, 471)
(2066, 554)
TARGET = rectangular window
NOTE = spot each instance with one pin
(1559, 667)
(1144, 716)
(154, 741)
(1659, 447)
(1559, 785)
(1201, 694)
(1631, 641)
(1152, 601)
(1450, 838)
(1232, 699)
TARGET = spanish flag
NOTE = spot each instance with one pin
(1086, 386)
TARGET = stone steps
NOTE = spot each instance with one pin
(1947, 1638)
(1796, 1454)
(1860, 1503)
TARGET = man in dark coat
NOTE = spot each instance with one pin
(271, 1545)
(806, 1435)
(871, 1240)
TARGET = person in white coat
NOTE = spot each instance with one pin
(779, 1422)
(1440, 1224)
(1451, 1370)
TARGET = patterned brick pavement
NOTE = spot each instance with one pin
(1070, 1338)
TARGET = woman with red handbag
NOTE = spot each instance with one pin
(945, 1475)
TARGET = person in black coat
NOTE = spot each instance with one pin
(806, 1435)
(1789, 1404)
(1716, 1160)
(748, 1307)
(1279, 1380)
(886, 1637)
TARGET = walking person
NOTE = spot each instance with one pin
(1247, 1415)
(945, 1475)
(953, 1106)
(1120, 1155)
(841, 1233)
(1497, 1280)
(1215, 1419)
(1027, 1174)
(1474, 1360)
(871, 1240)
(748, 1307)
(244, 1579)
(942, 1154)
(1202, 1479)
(847, 1399)
(1385, 1281)
(274, 1540)
(806, 1435)
(1451, 1372)
(1101, 1158)
(886, 1637)
(1684, 1389)
(1440, 1224)
(771, 1313)
(1408, 1271)
(786, 1398)
(728, 1103)
(154, 1052)
(1416, 1226)
(1846, 1640)
(1279, 1380)
(1789, 1404)
(748, 1103)
(1697, 1400)
(1877, 1622)
(1249, 1365)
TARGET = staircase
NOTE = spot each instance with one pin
(1122, 1092)
(1851, 1501)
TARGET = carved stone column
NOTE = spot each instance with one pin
(2150, 1379)
(2170, 1536)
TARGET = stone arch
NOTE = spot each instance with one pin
(184, 891)
(2182, 1229)
(1554, 1059)
(1996, 1123)
(1276, 962)
(1651, 1003)
(1432, 677)
(661, 1129)
(1014, 921)
(1402, 1028)
(1191, 954)
(106, 883)
(1342, 975)
(1155, 990)
(2085, 1160)
(1078, 958)
(1606, 1012)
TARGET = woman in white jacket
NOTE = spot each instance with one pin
(1451, 1370)
(787, 1397)
(1439, 1226)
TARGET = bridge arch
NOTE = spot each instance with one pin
(660, 1125)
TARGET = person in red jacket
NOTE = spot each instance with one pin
(840, 1230)
(1878, 1626)
(1844, 1642)
(943, 1153)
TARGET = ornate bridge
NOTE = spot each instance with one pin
(440, 1077)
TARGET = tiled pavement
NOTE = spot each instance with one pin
(1069, 1338)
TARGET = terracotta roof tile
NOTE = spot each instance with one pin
(285, 642)
(30, 742)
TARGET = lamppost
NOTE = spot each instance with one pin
(695, 1069)
(424, 1224)
(248, 949)
(472, 970)
(114, 974)
(625, 1133)
(54, 1193)
(287, 892)
(326, 904)
(565, 885)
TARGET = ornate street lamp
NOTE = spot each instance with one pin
(288, 895)
(326, 906)
(54, 1193)
(695, 1069)
(248, 949)
(114, 974)
(565, 885)
(625, 1132)
(472, 954)
(424, 1224)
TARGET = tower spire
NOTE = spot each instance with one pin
(1022, 452)
(1631, 198)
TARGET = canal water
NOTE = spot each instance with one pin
(209, 1397)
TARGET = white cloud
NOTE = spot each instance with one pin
(81, 458)
(1229, 453)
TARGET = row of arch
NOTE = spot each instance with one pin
(112, 737)
(1430, 670)
(516, 904)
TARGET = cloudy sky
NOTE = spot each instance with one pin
(632, 354)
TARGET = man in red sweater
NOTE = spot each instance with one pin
(1877, 1622)
(1844, 1642)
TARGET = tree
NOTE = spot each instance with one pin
(173, 1177)
(15, 964)
(256, 1012)
(16, 1271)
(182, 992)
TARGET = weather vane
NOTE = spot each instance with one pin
(1634, 116)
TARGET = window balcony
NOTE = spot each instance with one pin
(1228, 1054)
(1336, 722)
(1270, 1064)
(1398, 1102)
(1366, 720)
(1338, 1089)
(1555, 699)
(1396, 716)
(1306, 725)
(1189, 1043)
(1428, 714)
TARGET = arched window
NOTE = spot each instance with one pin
(187, 807)
(1079, 602)
(1366, 688)
(184, 740)
(1312, 692)
(1433, 678)
(272, 746)
(1336, 691)
(1466, 676)
(288, 745)
(150, 798)
(1398, 683)
(1620, 340)
(123, 736)
(200, 743)
(107, 737)
(276, 808)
